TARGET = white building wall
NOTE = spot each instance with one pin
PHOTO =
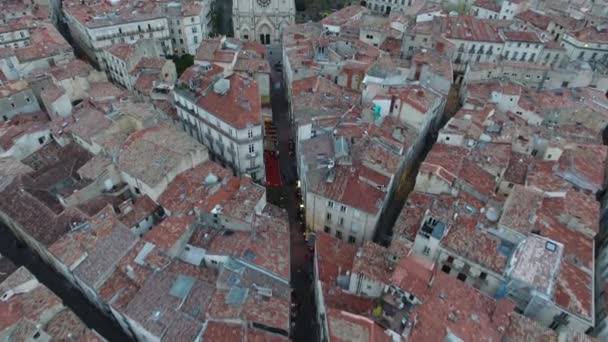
(27, 144)
(431, 184)
(231, 144)
(522, 51)
(578, 50)
(364, 286)
(21, 102)
(345, 222)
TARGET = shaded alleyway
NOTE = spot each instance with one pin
(94, 318)
(301, 264)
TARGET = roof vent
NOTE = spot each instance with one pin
(222, 86)
(204, 67)
(211, 178)
(491, 214)
(7, 295)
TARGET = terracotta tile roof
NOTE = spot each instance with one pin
(251, 63)
(94, 249)
(591, 34)
(230, 244)
(95, 166)
(155, 306)
(118, 290)
(66, 326)
(266, 245)
(347, 188)
(219, 331)
(579, 166)
(452, 307)
(169, 232)
(197, 303)
(32, 302)
(344, 15)
(466, 240)
(576, 210)
(574, 290)
(51, 93)
(151, 153)
(578, 248)
(488, 5)
(219, 309)
(133, 271)
(10, 133)
(392, 46)
(211, 50)
(537, 19)
(155, 63)
(521, 328)
(400, 247)
(478, 178)
(141, 209)
(413, 274)
(371, 262)
(122, 51)
(28, 211)
(239, 199)
(87, 122)
(272, 312)
(183, 328)
(334, 257)
(104, 90)
(240, 107)
(145, 82)
(541, 176)
(319, 97)
(444, 161)
(377, 156)
(255, 335)
(520, 209)
(437, 63)
(420, 98)
(73, 68)
(45, 41)
(492, 157)
(517, 169)
(344, 326)
(339, 299)
(411, 215)
(469, 28)
(536, 262)
(521, 36)
(93, 14)
(269, 246)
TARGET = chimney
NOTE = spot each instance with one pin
(131, 273)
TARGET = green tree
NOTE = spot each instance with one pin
(182, 63)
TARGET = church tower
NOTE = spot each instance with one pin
(262, 20)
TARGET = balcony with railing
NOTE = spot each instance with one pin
(253, 168)
(231, 151)
(130, 33)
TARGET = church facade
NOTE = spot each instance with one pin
(262, 20)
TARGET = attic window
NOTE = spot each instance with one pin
(550, 246)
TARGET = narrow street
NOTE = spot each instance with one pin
(93, 317)
(301, 264)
